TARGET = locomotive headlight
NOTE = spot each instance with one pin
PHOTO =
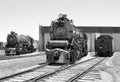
(100, 47)
(60, 31)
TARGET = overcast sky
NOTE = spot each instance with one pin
(24, 16)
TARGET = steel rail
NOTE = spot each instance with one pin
(61, 69)
(79, 75)
(43, 75)
(25, 71)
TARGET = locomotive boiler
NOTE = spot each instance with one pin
(103, 46)
(18, 44)
(67, 44)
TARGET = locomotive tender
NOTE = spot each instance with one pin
(18, 44)
(67, 44)
(103, 46)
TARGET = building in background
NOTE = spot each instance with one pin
(92, 32)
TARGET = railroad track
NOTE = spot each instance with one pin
(23, 71)
(71, 73)
(46, 73)
(92, 76)
(87, 71)
(30, 73)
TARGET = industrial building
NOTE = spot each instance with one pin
(91, 31)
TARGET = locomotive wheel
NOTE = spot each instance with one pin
(7, 52)
(85, 52)
(18, 52)
(79, 56)
(97, 53)
(73, 56)
(32, 48)
(109, 54)
(24, 49)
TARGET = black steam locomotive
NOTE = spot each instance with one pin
(67, 44)
(18, 44)
(103, 46)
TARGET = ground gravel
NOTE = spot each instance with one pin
(112, 66)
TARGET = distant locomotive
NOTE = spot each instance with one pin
(18, 44)
(1, 46)
(103, 46)
(67, 44)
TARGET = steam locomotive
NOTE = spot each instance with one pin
(103, 46)
(18, 44)
(67, 44)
